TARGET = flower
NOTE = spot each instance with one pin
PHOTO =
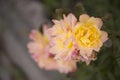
(62, 37)
(39, 48)
(77, 40)
(89, 37)
(67, 42)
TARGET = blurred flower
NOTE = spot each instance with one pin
(67, 42)
(39, 48)
(66, 66)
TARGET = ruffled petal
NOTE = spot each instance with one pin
(70, 19)
(96, 21)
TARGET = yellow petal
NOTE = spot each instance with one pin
(70, 19)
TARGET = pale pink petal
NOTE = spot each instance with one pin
(99, 22)
(34, 47)
(32, 34)
(70, 19)
(85, 53)
(104, 36)
(55, 50)
(66, 66)
(97, 47)
(36, 56)
(83, 18)
(55, 21)
(60, 55)
(36, 36)
(70, 54)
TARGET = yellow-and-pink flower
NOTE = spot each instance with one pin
(62, 37)
(77, 40)
(68, 41)
(89, 37)
(39, 49)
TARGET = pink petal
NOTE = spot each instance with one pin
(70, 19)
(104, 36)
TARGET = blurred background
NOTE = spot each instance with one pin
(19, 17)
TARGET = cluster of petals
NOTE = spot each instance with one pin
(77, 40)
(39, 49)
(67, 42)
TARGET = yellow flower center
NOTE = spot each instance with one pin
(46, 39)
(87, 35)
(65, 35)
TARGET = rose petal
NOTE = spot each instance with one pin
(83, 18)
(104, 36)
(70, 19)
(97, 21)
